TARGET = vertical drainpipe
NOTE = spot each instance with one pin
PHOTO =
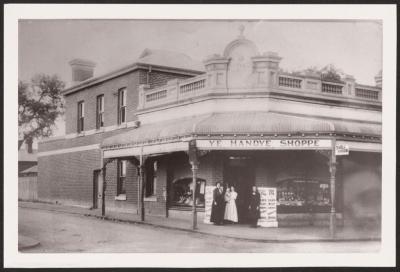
(148, 76)
(103, 197)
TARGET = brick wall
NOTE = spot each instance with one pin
(109, 89)
(131, 186)
(68, 178)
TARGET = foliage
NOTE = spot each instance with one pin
(39, 105)
(331, 73)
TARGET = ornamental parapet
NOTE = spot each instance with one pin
(214, 85)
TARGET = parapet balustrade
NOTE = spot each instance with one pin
(181, 90)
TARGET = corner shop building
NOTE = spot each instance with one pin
(316, 140)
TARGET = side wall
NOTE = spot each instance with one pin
(109, 89)
(67, 177)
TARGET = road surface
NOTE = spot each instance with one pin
(61, 232)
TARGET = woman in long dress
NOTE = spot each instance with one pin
(218, 205)
(230, 208)
(254, 207)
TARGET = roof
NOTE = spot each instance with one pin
(240, 123)
(159, 58)
(32, 169)
(167, 58)
(23, 155)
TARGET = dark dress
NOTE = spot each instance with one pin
(254, 208)
(218, 207)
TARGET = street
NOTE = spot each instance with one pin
(60, 232)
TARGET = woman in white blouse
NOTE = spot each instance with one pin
(230, 207)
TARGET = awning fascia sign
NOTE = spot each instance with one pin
(265, 144)
(147, 150)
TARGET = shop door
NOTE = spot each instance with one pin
(240, 174)
(97, 188)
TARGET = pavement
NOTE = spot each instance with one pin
(25, 242)
(237, 231)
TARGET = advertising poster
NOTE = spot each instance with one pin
(208, 203)
(268, 214)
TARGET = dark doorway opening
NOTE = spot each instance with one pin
(96, 188)
(239, 173)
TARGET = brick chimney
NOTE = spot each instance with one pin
(81, 70)
(378, 79)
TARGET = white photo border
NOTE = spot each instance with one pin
(15, 12)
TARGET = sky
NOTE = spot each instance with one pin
(46, 46)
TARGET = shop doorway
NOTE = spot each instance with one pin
(97, 188)
(239, 172)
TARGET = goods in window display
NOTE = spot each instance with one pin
(303, 193)
(182, 192)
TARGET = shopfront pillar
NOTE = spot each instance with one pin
(142, 186)
(195, 167)
(193, 159)
(332, 170)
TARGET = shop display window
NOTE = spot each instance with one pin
(303, 195)
(182, 192)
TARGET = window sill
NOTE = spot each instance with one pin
(150, 199)
(80, 134)
(100, 130)
(120, 197)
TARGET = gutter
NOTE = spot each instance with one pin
(126, 69)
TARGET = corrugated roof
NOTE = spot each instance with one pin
(240, 123)
(169, 59)
(161, 58)
(32, 169)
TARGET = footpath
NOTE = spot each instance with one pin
(237, 231)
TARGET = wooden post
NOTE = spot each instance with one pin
(193, 159)
(142, 187)
(195, 167)
(332, 170)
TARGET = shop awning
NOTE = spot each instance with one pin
(236, 123)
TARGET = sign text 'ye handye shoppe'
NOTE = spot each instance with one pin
(265, 144)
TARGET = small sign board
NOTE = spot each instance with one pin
(341, 149)
(268, 207)
(208, 197)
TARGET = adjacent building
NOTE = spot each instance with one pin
(27, 171)
(144, 133)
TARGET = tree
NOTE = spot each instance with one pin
(331, 73)
(39, 105)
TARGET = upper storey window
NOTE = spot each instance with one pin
(81, 116)
(100, 111)
(121, 105)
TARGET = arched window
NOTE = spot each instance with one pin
(182, 192)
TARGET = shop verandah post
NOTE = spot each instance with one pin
(193, 159)
(332, 170)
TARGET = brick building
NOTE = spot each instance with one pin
(149, 129)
